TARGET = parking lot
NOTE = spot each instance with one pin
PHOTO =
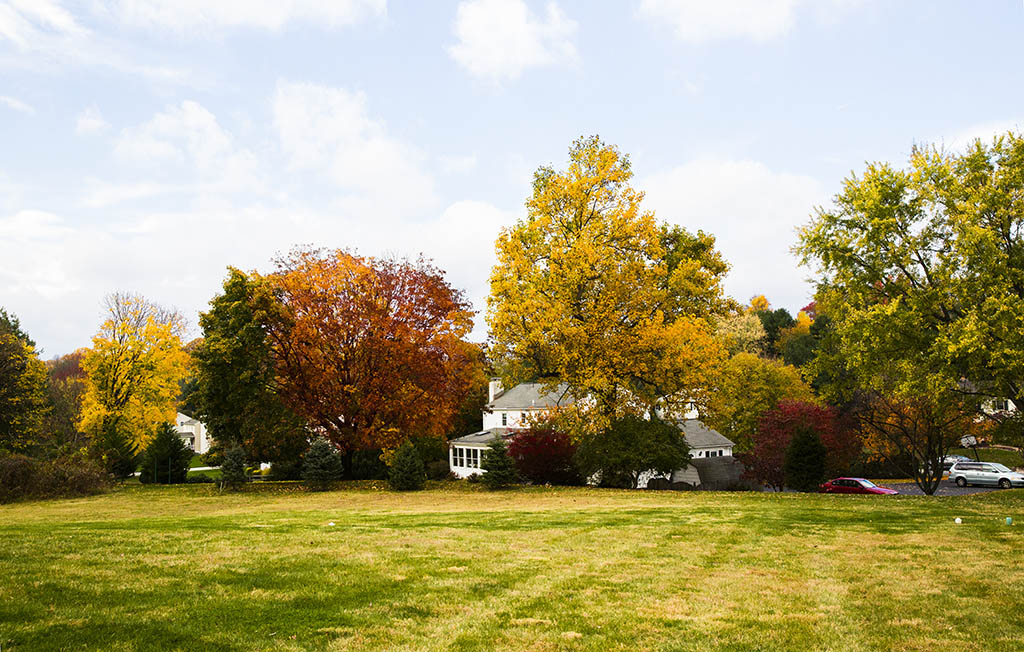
(947, 488)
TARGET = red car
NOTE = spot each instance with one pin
(854, 486)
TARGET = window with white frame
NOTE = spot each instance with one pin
(504, 418)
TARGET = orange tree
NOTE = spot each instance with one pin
(369, 351)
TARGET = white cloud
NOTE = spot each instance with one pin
(752, 211)
(702, 21)
(499, 39)
(90, 121)
(27, 23)
(457, 164)
(187, 138)
(331, 131)
(461, 242)
(202, 15)
(16, 104)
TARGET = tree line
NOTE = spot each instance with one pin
(915, 326)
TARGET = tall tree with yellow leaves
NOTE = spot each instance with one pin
(134, 369)
(592, 291)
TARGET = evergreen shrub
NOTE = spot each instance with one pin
(407, 472)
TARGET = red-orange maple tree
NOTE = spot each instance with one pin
(370, 351)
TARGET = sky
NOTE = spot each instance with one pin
(147, 145)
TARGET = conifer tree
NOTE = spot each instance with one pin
(805, 460)
(498, 464)
(322, 465)
(407, 472)
(232, 471)
(166, 459)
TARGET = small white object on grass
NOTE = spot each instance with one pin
(957, 520)
(331, 524)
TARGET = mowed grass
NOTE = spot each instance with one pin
(457, 568)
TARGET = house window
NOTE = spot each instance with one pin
(474, 458)
(504, 418)
(459, 460)
(1001, 405)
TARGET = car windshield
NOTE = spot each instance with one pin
(868, 483)
(1000, 468)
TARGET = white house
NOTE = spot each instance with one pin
(192, 432)
(509, 411)
(504, 413)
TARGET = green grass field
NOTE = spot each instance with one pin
(457, 568)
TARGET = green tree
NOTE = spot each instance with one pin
(805, 460)
(115, 450)
(232, 470)
(774, 323)
(234, 382)
(499, 468)
(592, 291)
(748, 387)
(322, 465)
(407, 472)
(166, 459)
(630, 447)
(66, 388)
(23, 384)
(922, 272)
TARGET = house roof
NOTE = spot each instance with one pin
(189, 421)
(482, 437)
(699, 435)
(526, 396)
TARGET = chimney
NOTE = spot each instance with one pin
(493, 389)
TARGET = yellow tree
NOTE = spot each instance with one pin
(134, 368)
(748, 387)
(592, 291)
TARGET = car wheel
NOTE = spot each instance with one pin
(961, 481)
(1004, 484)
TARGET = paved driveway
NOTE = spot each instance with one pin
(946, 488)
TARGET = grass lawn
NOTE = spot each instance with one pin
(457, 568)
(1011, 459)
(197, 460)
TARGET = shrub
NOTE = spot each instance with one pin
(544, 455)
(322, 465)
(629, 447)
(166, 459)
(473, 478)
(286, 470)
(24, 477)
(805, 460)
(765, 462)
(438, 470)
(367, 465)
(407, 472)
(17, 476)
(500, 470)
(232, 469)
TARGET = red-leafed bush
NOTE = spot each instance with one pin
(543, 455)
(765, 462)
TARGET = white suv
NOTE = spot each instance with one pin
(990, 473)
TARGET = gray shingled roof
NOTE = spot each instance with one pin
(482, 437)
(528, 395)
(700, 436)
